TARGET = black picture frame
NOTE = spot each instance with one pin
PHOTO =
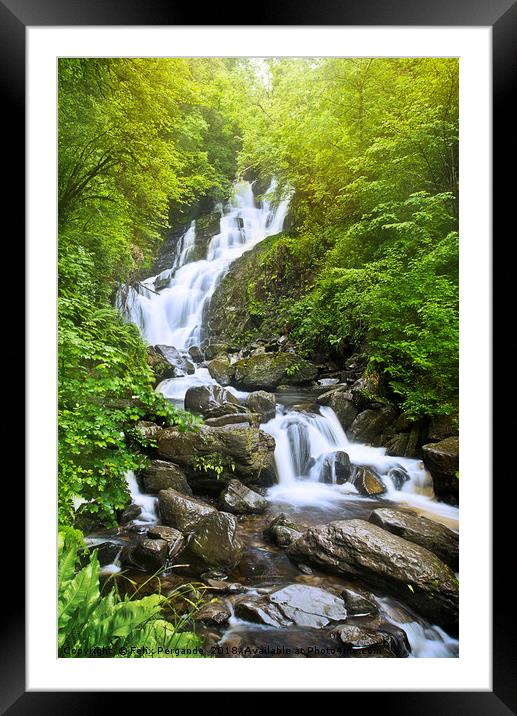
(501, 15)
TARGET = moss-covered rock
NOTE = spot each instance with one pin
(268, 370)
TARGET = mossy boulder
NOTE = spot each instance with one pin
(221, 370)
(244, 450)
(265, 371)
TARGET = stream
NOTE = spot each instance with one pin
(307, 437)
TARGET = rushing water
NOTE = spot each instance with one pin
(174, 315)
(170, 308)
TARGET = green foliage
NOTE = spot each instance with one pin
(370, 147)
(213, 464)
(138, 138)
(95, 624)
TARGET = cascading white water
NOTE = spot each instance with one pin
(147, 503)
(305, 455)
(174, 315)
(169, 309)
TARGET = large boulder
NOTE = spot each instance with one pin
(180, 511)
(309, 606)
(442, 461)
(370, 424)
(196, 354)
(262, 403)
(162, 475)
(368, 483)
(432, 535)
(265, 371)
(203, 398)
(341, 402)
(214, 543)
(221, 370)
(181, 364)
(212, 350)
(408, 571)
(245, 451)
(240, 500)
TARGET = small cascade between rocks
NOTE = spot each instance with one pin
(316, 463)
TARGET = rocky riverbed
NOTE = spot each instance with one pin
(307, 516)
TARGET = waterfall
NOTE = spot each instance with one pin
(308, 446)
(169, 308)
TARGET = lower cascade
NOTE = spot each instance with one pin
(321, 474)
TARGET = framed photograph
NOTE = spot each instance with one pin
(259, 298)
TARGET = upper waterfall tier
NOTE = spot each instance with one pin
(174, 315)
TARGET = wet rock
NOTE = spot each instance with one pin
(360, 638)
(248, 450)
(150, 554)
(196, 354)
(107, 552)
(341, 403)
(429, 534)
(161, 368)
(442, 461)
(258, 563)
(266, 371)
(163, 475)
(259, 610)
(214, 543)
(174, 538)
(335, 468)
(222, 587)
(214, 612)
(406, 570)
(148, 430)
(223, 410)
(263, 403)
(240, 500)
(368, 483)
(181, 364)
(180, 511)
(221, 370)
(305, 569)
(309, 606)
(283, 536)
(364, 392)
(357, 605)
(202, 398)
(212, 350)
(369, 424)
(397, 445)
(282, 531)
(232, 419)
(399, 477)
